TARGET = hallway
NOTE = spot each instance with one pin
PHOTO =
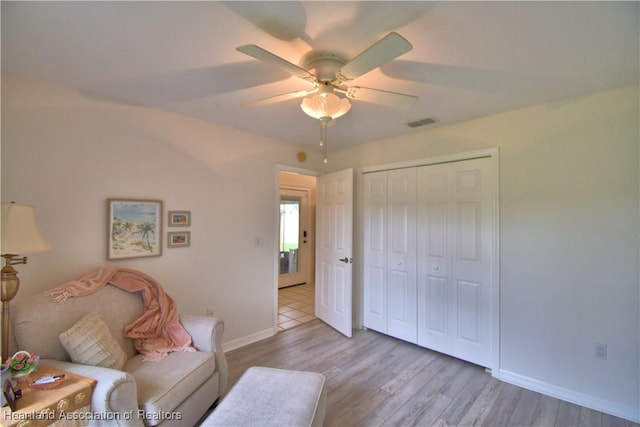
(296, 306)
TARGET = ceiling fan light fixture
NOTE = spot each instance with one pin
(327, 105)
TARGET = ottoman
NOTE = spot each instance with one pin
(272, 397)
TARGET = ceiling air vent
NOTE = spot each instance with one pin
(422, 122)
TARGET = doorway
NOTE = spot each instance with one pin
(296, 249)
(293, 247)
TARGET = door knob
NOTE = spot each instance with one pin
(346, 260)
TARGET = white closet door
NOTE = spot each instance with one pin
(455, 284)
(401, 280)
(473, 272)
(375, 251)
(435, 317)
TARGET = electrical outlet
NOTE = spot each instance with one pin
(211, 312)
(600, 351)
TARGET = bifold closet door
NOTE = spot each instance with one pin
(401, 254)
(455, 266)
(375, 252)
(390, 253)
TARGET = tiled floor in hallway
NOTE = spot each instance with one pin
(296, 305)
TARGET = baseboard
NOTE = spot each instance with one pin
(561, 393)
(249, 339)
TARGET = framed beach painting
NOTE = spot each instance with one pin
(135, 228)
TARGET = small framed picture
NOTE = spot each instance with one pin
(179, 218)
(134, 228)
(179, 239)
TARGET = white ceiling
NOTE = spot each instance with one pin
(469, 59)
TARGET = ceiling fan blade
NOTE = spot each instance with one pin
(382, 97)
(279, 98)
(264, 55)
(384, 50)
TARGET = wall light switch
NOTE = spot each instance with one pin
(600, 351)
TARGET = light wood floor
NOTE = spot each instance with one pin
(376, 380)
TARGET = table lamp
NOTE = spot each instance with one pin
(20, 235)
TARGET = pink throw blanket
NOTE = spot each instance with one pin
(158, 331)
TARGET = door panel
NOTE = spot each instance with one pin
(468, 230)
(340, 300)
(375, 299)
(468, 311)
(436, 229)
(334, 224)
(401, 287)
(401, 306)
(325, 270)
(472, 264)
(434, 259)
(436, 299)
(375, 253)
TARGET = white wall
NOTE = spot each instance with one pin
(569, 213)
(66, 153)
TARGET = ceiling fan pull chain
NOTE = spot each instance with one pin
(323, 139)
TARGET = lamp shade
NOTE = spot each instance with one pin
(20, 234)
(325, 106)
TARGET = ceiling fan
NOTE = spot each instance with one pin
(329, 74)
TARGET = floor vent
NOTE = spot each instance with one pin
(422, 122)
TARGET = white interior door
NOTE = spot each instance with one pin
(293, 262)
(334, 250)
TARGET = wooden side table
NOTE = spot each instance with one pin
(67, 404)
